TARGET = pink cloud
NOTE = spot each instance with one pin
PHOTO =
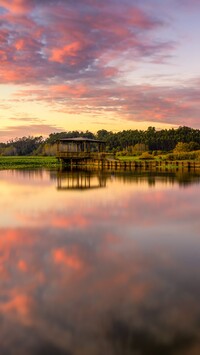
(83, 35)
(73, 90)
(16, 6)
(135, 103)
(70, 50)
(75, 53)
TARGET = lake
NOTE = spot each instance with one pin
(94, 263)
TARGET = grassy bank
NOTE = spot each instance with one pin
(136, 158)
(166, 161)
(34, 162)
(27, 162)
(190, 156)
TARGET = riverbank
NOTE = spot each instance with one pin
(27, 162)
(34, 162)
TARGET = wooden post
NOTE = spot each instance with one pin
(58, 145)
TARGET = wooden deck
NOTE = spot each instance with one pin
(68, 156)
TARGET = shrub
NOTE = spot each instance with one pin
(146, 156)
(181, 147)
(183, 156)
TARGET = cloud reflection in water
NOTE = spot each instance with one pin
(112, 270)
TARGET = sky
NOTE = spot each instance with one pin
(93, 64)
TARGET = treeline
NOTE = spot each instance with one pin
(154, 140)
(22, 146)
(128, 141)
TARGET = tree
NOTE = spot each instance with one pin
(25, 145)
(9, 151)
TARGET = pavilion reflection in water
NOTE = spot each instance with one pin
(80, 180)
(84, 179)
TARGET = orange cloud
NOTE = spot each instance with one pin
(74, 90)
(61, 54)
(19, 44)
(71, 260)
(22, 265)
(18, 306)
(16, 6)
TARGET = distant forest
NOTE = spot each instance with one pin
(129, 141)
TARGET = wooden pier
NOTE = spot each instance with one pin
(83, 152)
(150, 165)
(114, 165)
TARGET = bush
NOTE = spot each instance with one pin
(184, 156)
(181, 147)
(146, 156)
(121, 154)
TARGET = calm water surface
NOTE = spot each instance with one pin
(95, 264)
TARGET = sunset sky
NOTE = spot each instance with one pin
(98, 64)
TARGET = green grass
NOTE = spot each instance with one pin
(167, 157)
(34, 162)
(27, 162)
(130, 158)
(127, 158)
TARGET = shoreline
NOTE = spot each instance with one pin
(32, 162)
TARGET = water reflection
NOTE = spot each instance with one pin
(112, 270)
(80, 180)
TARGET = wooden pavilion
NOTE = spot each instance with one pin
(80, 150)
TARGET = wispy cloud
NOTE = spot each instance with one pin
(75, 56)
(162, 104)
(13, 132)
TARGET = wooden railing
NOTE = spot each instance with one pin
(81, 155)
